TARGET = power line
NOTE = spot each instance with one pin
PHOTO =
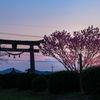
(20, 35)
(31, 25)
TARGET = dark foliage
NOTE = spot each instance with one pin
(9, 80)
(91, 80)
(64, 81)
(46, 75)
(39, 83)
(0, 79)
(24, 80)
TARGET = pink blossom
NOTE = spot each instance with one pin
(66, 49)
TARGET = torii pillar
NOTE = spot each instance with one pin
(32, 62)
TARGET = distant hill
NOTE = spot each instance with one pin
(9, 70)
(42, 72)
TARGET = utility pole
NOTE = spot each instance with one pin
(52, 68)
(0, 67)
(80, 63)
(0, 49)
(0, 55)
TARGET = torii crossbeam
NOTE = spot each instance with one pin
(14, 44)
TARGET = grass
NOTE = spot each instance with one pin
(15, 94)
(10, 97)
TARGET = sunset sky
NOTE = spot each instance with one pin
(37, 18)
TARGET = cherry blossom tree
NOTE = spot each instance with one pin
(1, 57)
(2, 54)
(66, 48)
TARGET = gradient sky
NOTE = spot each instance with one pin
(42, 17)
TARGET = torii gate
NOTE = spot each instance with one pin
(14, 44)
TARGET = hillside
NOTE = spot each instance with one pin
(9, 70)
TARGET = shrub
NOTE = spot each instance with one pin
(39, 83)
(47, 77)
(24, 80)
(64, 81)
(9, 80)
(91, 80)
(0, 78)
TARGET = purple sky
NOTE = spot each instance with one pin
(42, 17)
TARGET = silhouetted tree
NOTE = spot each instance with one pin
(66, 48)
(2, 54)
